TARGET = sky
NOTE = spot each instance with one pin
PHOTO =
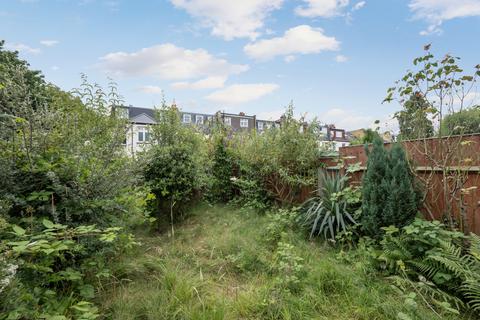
(334, 59)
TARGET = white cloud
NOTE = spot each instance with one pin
(241, 93)
(341, 58)
(55, 68)
(290, 58)
(346, 119)
(321, 8)
(168, 61)
(302, 39)
(230, 19)
(49, 43)
(435, 12)
(207, 83)
(270, 115)
(20, 47)
(359, 5)
(150, 89)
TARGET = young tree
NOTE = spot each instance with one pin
(413, 120)
(389, 194)
(175, 164)
(443, 89)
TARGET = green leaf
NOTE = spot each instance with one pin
(19, 231)
(87, 291)
(48, 224)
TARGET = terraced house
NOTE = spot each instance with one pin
(138, 133)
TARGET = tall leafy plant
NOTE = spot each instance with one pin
(333, 211)
(174, 168)
(390, 195)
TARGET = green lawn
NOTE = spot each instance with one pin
(219, 266)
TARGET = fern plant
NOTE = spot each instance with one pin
(333, 211)
(436, 262)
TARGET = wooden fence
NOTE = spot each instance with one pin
(449, 170)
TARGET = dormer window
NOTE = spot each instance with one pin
(260, 125)
(228, 121)
(199, 119)
(244, 123)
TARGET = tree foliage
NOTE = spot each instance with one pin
(175, 164)
(389, 194)
(466, 121)
(283, 158)
(62, 170)
(413, 118)
(369, 136)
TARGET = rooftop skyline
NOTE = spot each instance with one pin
(334, 59)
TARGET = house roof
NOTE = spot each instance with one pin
(134, 112)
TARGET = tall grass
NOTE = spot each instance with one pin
(219, 266)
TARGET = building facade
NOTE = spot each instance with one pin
(138, 135)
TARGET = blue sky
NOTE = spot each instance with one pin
(333, 58)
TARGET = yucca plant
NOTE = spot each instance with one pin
(333, 210)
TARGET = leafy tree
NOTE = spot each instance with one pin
(413, 120)
(389, 194)
(441, 88)
(222, 170)
(463, 122)
(369, 136)
(175, 165)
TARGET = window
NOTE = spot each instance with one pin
(199, 119)
(143, 134)
(187, 118)
(244, 123)
(260, 125)
(228, 121)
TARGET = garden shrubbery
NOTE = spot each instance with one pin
(63, 178)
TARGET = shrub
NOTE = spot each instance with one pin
(463, 122)
(333, 211)
(282, 159)
(49, 274)
(170, 174)
(221, 188)
(390, 196)
(174, 165)
(435, 262)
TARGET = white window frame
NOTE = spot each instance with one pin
(243, 123)
(198, 119)
(228, 121)
(260, 125)
(142, 132)
(185, 117)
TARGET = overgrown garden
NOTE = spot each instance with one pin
(209, 226)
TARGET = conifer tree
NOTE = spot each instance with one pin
(390, 196)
